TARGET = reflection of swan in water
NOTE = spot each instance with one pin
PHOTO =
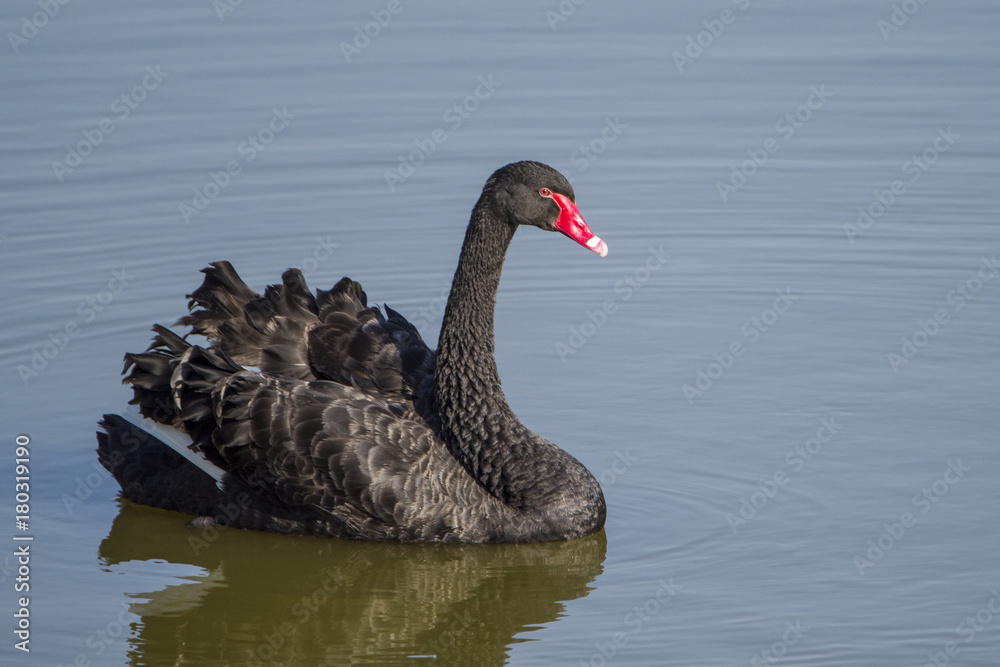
(276, 601)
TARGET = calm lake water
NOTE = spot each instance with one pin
(784, 373)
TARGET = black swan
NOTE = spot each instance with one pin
(319, 415)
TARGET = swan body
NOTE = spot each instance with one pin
(315, 413)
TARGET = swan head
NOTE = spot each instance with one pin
(532, 193)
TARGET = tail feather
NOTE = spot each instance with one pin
(221, 296)
(345, 297)
(151, 473)
(267, 331)
(207, 395)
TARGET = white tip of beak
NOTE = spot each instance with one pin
(598, 246)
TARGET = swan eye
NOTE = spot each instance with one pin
(545, 192)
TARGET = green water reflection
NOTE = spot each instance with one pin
(276, 600)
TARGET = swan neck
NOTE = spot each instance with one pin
(475, 419)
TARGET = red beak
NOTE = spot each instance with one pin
(571, 224)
